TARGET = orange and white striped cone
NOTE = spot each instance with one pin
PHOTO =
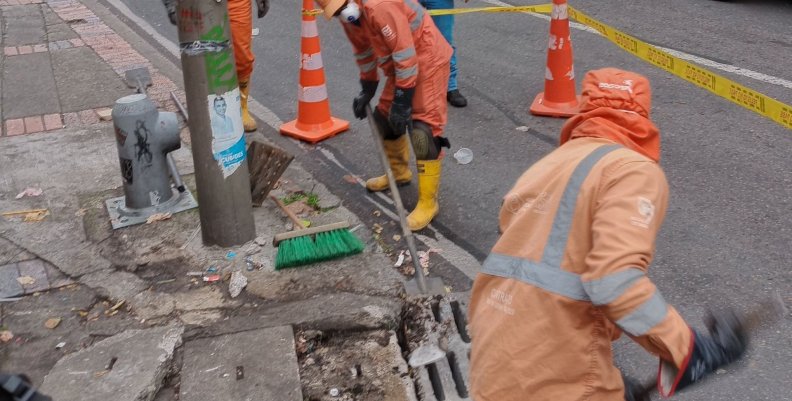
(558, 98)
(314, 122)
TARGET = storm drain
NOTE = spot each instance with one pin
(447, 379)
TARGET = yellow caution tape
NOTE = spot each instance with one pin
(539, 8)
(752, 100)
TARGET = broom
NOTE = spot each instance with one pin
(298, 248)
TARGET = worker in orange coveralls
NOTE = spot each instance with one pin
(569, 273)
(240, 15)
(401, 38)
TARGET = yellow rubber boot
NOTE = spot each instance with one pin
(428, 187)
(398, 152)
(247, 121)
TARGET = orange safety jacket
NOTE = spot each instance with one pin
(569, 272)
(400, 38)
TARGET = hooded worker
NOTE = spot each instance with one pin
(569, 273)
(240, 16)
(400, 38)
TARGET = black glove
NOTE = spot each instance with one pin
(369, 88)
(170, 7)
(263, 7)
(726, 342)
(634, 390)
(400, 117)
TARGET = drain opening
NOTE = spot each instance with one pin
(456, 373)
(461, 321)
(436, 311)
(437, 383)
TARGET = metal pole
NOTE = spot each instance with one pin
(406, 232)
(210, 81)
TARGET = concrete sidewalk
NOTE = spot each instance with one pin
(83, 301)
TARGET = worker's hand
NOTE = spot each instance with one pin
(726, 343)
(367, 91)
(400, 116)
(170, 8)
(263, 7)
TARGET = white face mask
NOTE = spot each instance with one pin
(350, 13)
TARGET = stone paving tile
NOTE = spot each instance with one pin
(15, 127)
(34, 268)
(33, 124)
(56, 278)
(9, 286)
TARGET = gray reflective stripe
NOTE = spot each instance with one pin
(406, 72)
(383, 60)
(557, 242)
(605, 290)
(419, 14)
(405, 54)
(646, 316)
(368, 66)
(364, 54)
(548, 278)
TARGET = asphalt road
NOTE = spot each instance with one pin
(728, 231)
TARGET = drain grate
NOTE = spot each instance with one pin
(447, 379)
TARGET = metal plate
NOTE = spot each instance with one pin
(121, 217)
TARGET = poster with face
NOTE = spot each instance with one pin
(228, 142)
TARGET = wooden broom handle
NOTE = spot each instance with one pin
(298, 225)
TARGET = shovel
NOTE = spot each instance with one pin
(140, 79)
(419, 285)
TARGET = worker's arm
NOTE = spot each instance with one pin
(364, 53)
(631, 206)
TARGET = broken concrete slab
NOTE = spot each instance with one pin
(11, 253)
(152, 304)
(334, 312)
(9, 285)
(252, 365)
(202, 298)
(115, 285)
(201, 318)
(126, 367)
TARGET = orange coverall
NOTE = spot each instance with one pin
(568, 274)
(403, 41)
(240, 14)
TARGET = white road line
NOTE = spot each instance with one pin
(684, 56)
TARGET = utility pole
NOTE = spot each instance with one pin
(216, 132)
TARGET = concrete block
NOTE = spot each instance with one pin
(126, 367)
(253, 365)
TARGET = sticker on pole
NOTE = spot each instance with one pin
(228, 142)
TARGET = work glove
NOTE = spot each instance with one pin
(170, 8)
(367, 91)
(400, 116)
(263, 7)
(726, 343)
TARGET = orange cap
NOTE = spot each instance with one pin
(616, 105)
(331, 7)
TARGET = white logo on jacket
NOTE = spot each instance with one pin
(501, 300)
(627, 87)
(388, 32)
(647, 211)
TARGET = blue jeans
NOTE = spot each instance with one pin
(445, 23)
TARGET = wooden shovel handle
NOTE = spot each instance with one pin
(298, 225)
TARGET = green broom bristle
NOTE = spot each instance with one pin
(328, 245)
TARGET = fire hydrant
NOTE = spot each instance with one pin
(144, 137)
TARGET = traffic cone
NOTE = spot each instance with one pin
(314, 122)
(558, 98)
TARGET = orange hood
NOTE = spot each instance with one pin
(615, 105)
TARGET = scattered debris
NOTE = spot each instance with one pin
(250, 265)
(52, 323)
(255, 32)
(352, 179)
(31, 192)
(230, 255)
(195, 274)
(116, 306)
(105, 114)
(158, 217)
(376, 228)
(60, 345)
(397, 237)
(81, 212)
(212, 278)
(171, 280)
(211, 269)
(522, 128)
(237, 284)
(463, 156)
(6, 336)
(400, 259)
(26, 280)
(32, 215)
(377, 213)
(260, 241)
(334, 392)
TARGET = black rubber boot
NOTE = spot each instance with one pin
(456, 99)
